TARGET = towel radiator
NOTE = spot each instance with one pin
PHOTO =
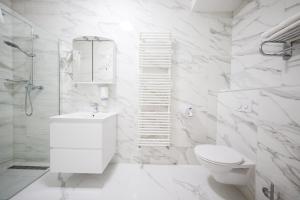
(286, 33)
(155, 61)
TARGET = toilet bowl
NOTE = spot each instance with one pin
(225, 164)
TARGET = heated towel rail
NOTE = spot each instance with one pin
(155, 61)
(287, 34)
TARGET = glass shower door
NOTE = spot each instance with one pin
(29, 95)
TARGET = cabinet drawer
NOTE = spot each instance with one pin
(76, 135)
(76, 161)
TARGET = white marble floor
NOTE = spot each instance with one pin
(131, 181)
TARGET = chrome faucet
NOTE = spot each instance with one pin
(95, 105)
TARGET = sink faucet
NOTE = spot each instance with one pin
(95, 106)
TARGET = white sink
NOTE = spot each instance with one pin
(82, 142)
(85, 115)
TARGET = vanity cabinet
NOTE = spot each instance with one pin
(82, 142)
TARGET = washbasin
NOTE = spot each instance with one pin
(85, 116)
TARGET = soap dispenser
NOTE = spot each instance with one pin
(104, 98)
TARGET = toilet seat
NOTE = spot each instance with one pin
(225, 164)
(219, 155)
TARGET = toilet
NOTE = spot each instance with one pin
(225, 164)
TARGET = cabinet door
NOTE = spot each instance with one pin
(76, 161)
(74, 134)
(82, 61)
(103, 61)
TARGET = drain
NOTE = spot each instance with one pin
(28, 167)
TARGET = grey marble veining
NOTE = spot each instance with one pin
(248, 68)
(237, 127)
(272, 123)
(26, 138)
(273, 126)
(6, 94)
(201, 65)
(31, 134)
(262, 124)
(278, 156)
(132, 181)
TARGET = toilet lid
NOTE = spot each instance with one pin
(219, 154)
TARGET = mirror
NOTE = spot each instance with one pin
(82, 66)
(93, 60)
(103, 60)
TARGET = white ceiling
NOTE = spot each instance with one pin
(215, 5)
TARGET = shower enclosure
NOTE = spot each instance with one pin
(29, 95)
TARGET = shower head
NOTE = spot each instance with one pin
(13, 45)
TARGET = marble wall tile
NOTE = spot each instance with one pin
(6, 121)
(21, 34)
(267, 132)
(8, 3)
(201, 65)
(237, 127)
(291, 7)
(248, 68)
(6, 133)
(31, 134)
(237, 121)
(6, 106)
(27, 138)
(276, 125)
(279, 142)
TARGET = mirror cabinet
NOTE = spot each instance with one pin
(94, 60)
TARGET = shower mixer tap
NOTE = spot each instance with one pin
(189, 111)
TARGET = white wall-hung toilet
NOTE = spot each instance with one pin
(225, 164)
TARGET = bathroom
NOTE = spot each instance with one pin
(222, 99)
